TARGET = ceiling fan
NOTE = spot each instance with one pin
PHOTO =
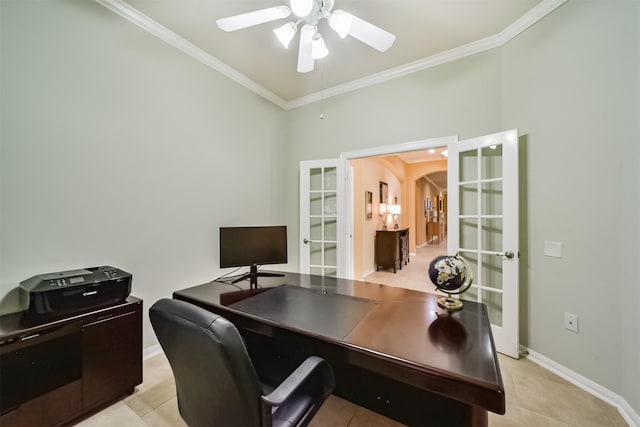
(309, 13)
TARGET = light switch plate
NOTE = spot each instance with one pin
(553, 249)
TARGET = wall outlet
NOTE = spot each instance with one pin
(571, 322)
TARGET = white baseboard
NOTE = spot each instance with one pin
(366, 273)
(628, 413)
(149, 352)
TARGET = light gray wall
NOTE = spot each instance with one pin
(570, 84)
(118, 149)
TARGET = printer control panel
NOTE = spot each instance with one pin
(112, 274)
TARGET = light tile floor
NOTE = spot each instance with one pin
(535, 397)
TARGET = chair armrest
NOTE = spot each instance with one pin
(278, 396)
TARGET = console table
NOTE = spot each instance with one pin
(392, 350)
(392, 249)
(56, 371)
(434, 230)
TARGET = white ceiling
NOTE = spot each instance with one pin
(427, 32)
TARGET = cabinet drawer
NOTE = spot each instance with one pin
(112, 353)
(49, 409)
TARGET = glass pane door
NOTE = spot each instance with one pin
(320, 203)
(484, 226)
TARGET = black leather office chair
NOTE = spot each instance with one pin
(216, 383)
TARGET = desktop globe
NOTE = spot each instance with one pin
(451, 275)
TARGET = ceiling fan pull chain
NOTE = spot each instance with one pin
(321, 91)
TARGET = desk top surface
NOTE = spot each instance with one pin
(405, 326)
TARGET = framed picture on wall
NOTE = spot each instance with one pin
(368, 204)
(384, 192)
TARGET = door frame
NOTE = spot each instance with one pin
(348, 213)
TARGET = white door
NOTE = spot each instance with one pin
(483, 226)
(322, 213)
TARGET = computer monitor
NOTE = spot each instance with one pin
(253, 246)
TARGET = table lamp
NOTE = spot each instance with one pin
(395, 211)
(383, 210)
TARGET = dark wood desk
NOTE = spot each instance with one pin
(393, 350)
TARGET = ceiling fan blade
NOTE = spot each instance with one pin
(256, 17)
(305, 60)
(369, 34)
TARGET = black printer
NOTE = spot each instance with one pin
(67, 292)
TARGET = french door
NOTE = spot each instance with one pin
(483, 226)
(322, 221)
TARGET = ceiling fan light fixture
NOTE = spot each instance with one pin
(305, 57)
(311, 13)
(285, 33)
(370, 34)
(301, 8)
(238, 22)
(318, 47)
(340, 22)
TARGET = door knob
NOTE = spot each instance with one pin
(306, 240)
(509, 254)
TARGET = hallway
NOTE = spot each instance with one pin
(413, 275)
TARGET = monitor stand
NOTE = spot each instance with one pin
(253, 275)
(228, 298)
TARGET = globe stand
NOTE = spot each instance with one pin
(442, 271)
(449, 303)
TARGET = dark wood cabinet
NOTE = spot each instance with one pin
(392, 249)
(54, 372)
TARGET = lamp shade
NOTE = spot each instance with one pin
(394, 209)
(318, 48)
(383, 209)
(285, 33)
(301, 8)
(340, 22)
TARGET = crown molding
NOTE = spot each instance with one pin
(133, 15)
(402, 70)
(534, 15)
(163, 33)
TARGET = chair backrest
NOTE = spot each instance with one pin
(216, 383)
